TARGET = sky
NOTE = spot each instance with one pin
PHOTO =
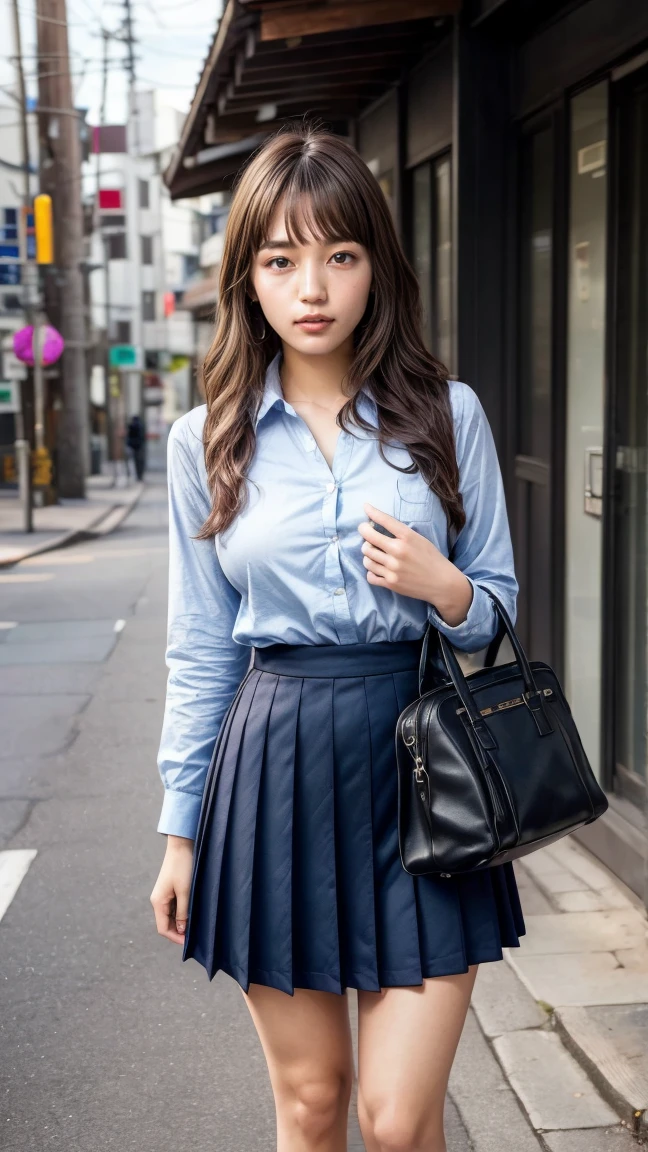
(172, 42)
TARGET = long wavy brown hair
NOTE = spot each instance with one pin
(327, 191)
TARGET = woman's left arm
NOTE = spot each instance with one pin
(483, 550)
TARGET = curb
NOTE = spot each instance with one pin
(92, 531)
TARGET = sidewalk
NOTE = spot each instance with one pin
(108, 503)
(567, 1015)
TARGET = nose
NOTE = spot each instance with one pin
(312, 282)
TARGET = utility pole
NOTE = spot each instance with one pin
(61, 172)
(106, 36)
(22, 445)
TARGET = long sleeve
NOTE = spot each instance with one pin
(205, 664)
(483, 549)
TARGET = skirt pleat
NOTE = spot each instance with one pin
(297, 880)
(271, 950)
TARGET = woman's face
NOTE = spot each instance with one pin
(314, 294)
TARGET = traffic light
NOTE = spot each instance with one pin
(44, 229)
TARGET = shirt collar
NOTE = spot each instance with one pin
(273, 396)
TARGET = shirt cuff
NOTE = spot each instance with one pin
(479, 627)
(180, 814)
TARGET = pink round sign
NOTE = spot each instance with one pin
(51, 343)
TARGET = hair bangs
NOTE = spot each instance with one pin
(319, 203)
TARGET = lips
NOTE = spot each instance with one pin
(315, 323)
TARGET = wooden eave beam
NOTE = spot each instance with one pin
(283, 21)
(259, 87)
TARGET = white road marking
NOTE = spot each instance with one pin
(6, 624)
(25, 578)
(14, 864)
(120, 625)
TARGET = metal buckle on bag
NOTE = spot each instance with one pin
(506, 704)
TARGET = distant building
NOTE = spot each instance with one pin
(144, 253)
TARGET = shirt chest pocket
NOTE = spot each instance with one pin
(414, 500)
(420, 508)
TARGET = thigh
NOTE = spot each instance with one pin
(407, 1039)
(306, 1037)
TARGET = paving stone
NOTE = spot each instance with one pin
(580, 979)
(561, 881)
(583, 932)
(502, 1003)
(615, 1139)
(554, 1091)
(534, 901)
(487, 1105)
(542, 863)
(588, 901)
(581, 864)
(611, 1044)
(636, 958)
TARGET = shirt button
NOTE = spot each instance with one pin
(333, 539)
(331, 487)
(339, 591)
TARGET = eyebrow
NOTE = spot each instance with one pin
(275, 244)
(285, 243)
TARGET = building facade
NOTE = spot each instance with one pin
(511, 140)
(144, 252)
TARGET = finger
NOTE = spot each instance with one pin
(165, 918)
(384, 518)
(386, 574)
(182, 910)
(378, 554)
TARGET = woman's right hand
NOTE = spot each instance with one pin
(170, 896)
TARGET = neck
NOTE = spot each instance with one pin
(315, 378)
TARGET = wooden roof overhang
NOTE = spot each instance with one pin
(276, 59)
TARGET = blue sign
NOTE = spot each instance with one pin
(9, 274)
(9, 252)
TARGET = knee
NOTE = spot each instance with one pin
(390, 1127)
(318, 1105)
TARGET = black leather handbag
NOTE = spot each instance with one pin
(490, 765)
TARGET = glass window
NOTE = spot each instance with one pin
(631, 480)
(147, 249)
(443, 269)
(432, 251)
(587, 244)
(536, 306)
(148, 305)
(422, 242)
(116, 245)
(144, 194)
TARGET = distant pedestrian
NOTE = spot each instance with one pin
(136, 441)
(297, 611)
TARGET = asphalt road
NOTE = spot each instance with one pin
(107, 1040)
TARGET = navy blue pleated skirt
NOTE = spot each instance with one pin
(297, 880)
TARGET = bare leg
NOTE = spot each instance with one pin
(306, 1040)
(407, 1039)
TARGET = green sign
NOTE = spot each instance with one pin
(123, 356)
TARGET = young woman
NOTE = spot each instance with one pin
(295, 631)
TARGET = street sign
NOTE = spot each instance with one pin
(12, 367)
(123, 356)
(9, 396)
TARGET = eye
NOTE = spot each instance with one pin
(342, 258)
(279, 262)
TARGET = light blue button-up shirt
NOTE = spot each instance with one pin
(290, 568)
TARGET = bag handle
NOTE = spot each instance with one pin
(532, 695)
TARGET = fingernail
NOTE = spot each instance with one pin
(180, 925)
